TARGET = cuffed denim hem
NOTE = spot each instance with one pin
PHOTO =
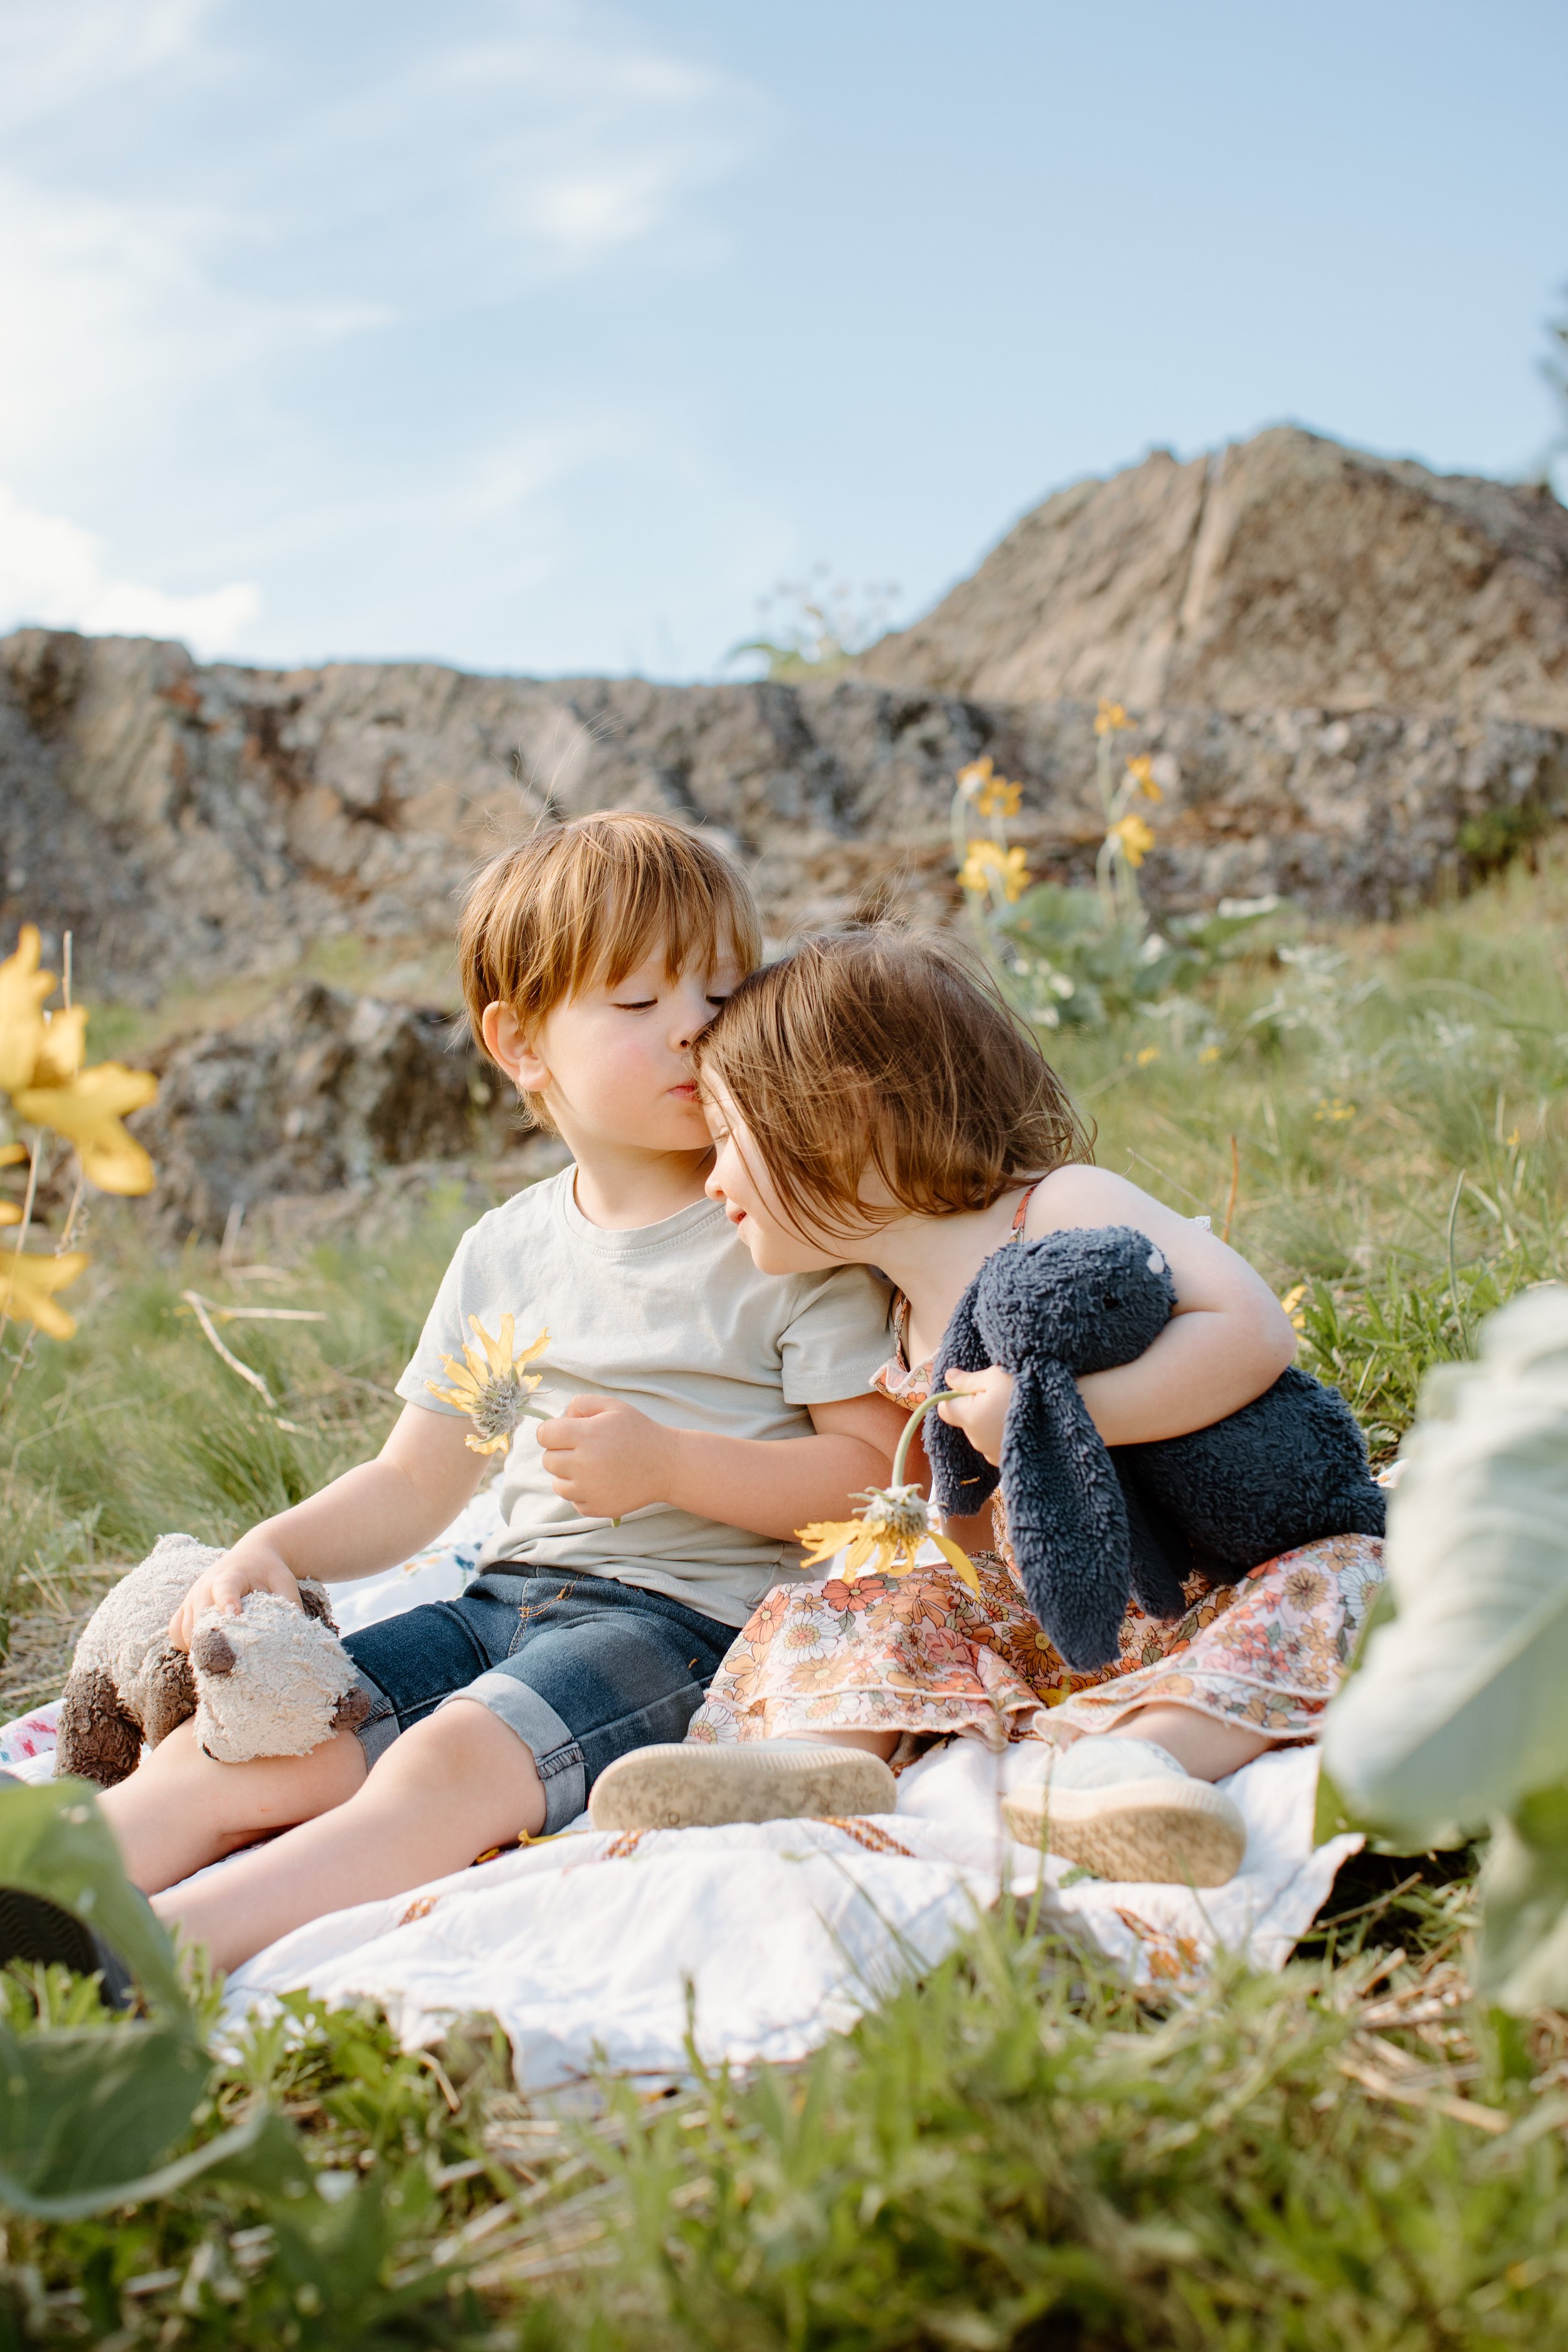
(381, 1726)
(557, 1757)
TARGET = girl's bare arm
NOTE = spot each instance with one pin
(1228, 1340)
(370, 1518)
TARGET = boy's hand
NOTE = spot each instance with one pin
(984, 1409)
(607, 1457)
(225, 1584)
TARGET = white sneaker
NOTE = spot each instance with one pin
(1126, 1809)
(694, 1784)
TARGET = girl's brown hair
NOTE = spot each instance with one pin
(877, 1051)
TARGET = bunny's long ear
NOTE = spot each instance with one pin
(961, 1479)
(1066, 1518)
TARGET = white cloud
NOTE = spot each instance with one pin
(52, 572)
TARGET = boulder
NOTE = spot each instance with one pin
(1282, 573)
(321, 1093)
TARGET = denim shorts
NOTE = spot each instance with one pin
(583, 1668)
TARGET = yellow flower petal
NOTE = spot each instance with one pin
(460, 1376)
(12, 1154)
(10, 1214)
(23, 988)
(1015, 876)
(477, 1444)
(957, 1559)
(1141, 772)
(1110, 718)
(88, 1112)
(975, 778)
(64, 1044)
(26, 1284)
(826, 1537)
(1134, 838)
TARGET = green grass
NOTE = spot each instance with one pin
(1015, 2152)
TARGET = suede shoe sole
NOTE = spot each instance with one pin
(1161, 1831)
(683, 1785)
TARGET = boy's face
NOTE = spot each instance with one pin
(740, 1180)
(613, 1064)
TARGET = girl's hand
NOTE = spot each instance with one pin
(983, 1408)
(225, 1584)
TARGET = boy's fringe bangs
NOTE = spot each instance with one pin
(581, 905)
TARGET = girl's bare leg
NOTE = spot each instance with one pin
(1208, 1747)
(874, 1743)
(458, 1782)
(180, 1810)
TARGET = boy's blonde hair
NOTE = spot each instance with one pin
(578, 906)
(877, 1051)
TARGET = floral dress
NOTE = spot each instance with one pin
(921, 1653)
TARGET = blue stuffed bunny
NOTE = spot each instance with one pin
(1092, 1526)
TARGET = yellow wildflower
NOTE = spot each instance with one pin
(1209, 1053)
(991, 794)
(987, 862)
(23, 988)
(1141, 771)
(1335, 1112)
(977, 867)
(1147, 1054)
(492, 1388)
(87, 1111)
(1292, 1303)
(1110, 718)
(28, 1282)
(1134, 837)
(885, 1539)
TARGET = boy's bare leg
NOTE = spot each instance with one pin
(181, 1810)
(458, 1782)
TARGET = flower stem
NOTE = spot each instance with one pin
(937, 1396)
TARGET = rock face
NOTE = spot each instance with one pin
(1283, 573)
(319, 1095)
(202, 822)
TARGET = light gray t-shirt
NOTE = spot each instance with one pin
(675, 1320)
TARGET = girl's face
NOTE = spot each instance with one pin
(739, 1179)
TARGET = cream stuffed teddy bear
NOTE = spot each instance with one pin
(272, 1681)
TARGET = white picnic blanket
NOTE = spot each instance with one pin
(763, 1939)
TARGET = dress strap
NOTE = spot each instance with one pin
(1023, 1209)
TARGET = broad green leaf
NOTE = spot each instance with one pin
(259, 2154)
(1523, 1959)
(1459, 1711)
(54, 1842)
(94, 2104)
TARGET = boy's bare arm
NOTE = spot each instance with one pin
(609, 1458)
(370, 1518)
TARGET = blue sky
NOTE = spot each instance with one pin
(548, 335)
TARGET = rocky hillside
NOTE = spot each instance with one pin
(203, 822)
(1284, 572)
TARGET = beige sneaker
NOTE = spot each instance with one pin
(1126, 1809)
(694, 1784)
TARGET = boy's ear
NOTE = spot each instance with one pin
(511, 1051)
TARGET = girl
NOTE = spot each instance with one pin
(871, 1100)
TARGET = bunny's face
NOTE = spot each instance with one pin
(1090, 1297)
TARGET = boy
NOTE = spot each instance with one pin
(643, 1522)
